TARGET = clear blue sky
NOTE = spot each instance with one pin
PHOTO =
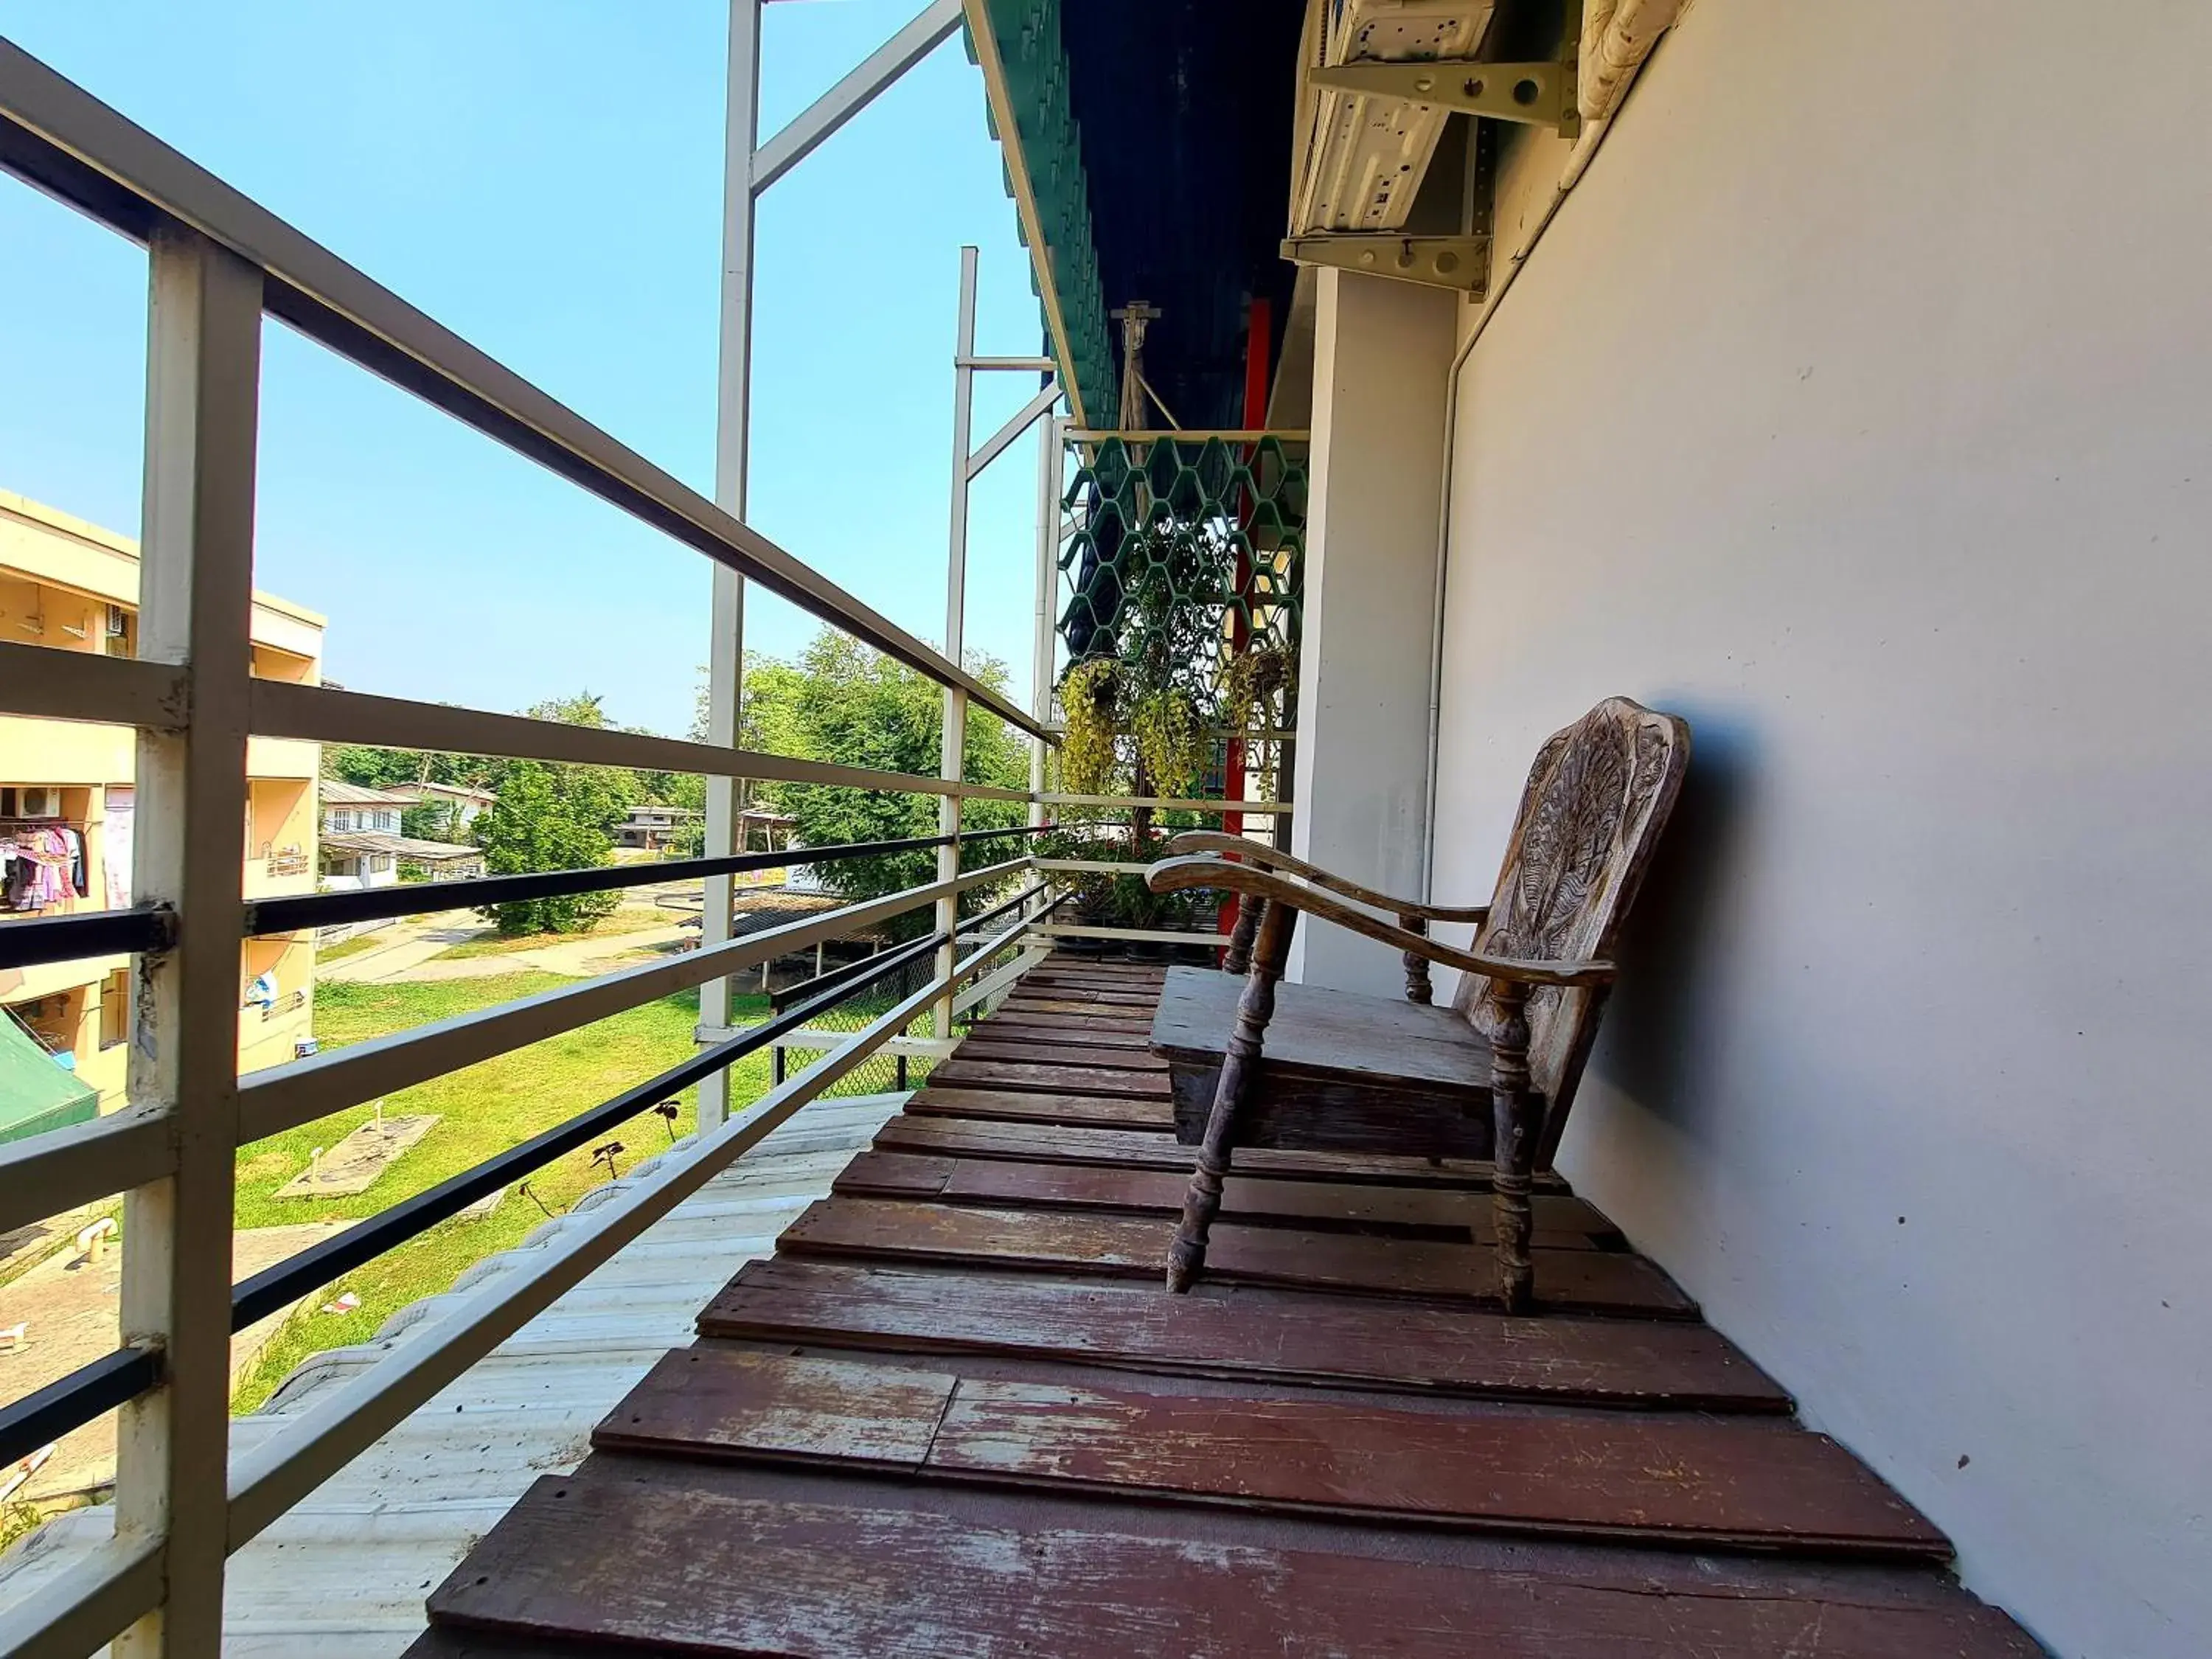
(544, 177)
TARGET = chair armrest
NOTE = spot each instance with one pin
(1212, 840)
(1170, 875)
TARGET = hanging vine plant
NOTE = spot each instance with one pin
(1253, 684)
(1090, 698)
(1171, 739)
(1250, 683)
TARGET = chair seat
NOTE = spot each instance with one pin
(1340, 1071)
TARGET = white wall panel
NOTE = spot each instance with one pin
(1858, 406)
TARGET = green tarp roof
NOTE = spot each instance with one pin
(36, 1093)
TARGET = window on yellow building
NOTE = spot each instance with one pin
(115, 1009)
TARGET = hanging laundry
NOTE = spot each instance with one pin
(49, 856)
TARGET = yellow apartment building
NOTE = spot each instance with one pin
(67, 804)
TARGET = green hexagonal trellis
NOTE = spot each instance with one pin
(1213, 526)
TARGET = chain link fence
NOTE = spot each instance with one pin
(887, 1070)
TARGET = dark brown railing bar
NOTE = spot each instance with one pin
(88, 1393)
(317, 1265)
(95, 933)
(781, 1000)
(291, 913)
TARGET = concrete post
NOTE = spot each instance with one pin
(1381, 351)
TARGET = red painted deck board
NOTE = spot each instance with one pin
(1128, 1247)
(1042, 1106)
(1049, 1078)
(1679, 1480)
(1056, 1027)
(1133, 1015)
(926, 1127)
(1562, 1222)
(1665, 1365)
(643, 1558)
(987, 1045)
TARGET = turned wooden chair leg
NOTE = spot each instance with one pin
(1202, 1202)
(1418, 988)
(1238, 958)
(1513, 1112)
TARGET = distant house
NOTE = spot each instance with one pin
(459, 803)
(361, 846)
(652, 828)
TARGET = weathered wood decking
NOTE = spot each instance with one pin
(957, 1413)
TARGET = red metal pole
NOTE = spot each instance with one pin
(1257, 342)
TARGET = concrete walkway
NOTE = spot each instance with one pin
(576, 958)
(399, 949)
(412, 951)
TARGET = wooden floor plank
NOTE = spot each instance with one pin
(1112, 979)
(972, 1421)
(1562, 1222)
(929, 1126)
(1135, 996)
(701, 1568)
(1132, 1247)
(1120, 984)
(1593, 1475)
(1132, 1024)
(1064, 960)
(1057, 1028)
(1149, 979)
(1133, 1014)
(1038, 1108)
(1078, 1078)
(1605, 1476)
(443, 1642)
(1244, 1333)
(720, 1401)
(992, 1043)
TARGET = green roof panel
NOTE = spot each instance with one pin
(37, 1091)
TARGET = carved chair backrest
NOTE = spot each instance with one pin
(1595, 801)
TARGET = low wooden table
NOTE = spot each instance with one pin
(1340, 1073)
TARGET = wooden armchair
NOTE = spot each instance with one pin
(1533, 983)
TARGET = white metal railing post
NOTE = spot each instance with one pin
(726, 651)
(952, 739)
(1048, 589)
(203, 363)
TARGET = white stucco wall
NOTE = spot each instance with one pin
(1858, 406)
(1381, 352)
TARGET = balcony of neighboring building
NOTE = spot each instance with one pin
(69, 585)
(277, 1003)
(280, 836)
(287, 647)
(60, 845)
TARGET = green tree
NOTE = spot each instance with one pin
(555, 817)
(434, 820)
(842, 701)
(378, 769)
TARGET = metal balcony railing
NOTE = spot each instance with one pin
(219, 263)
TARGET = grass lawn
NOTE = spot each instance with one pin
(631, 919)
(482, 1111)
